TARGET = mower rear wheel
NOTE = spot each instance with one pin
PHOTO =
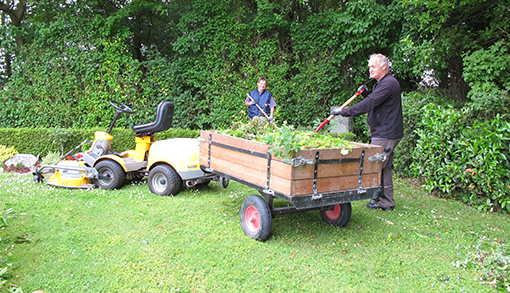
(164, 180)
(338, 216)
(110, 175)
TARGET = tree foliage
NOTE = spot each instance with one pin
(61, 61)
(443, 34)
(203, 55)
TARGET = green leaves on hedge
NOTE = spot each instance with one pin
(204, 55)
(43, 141)
(462, 156)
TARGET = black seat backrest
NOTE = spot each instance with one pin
(163, 121)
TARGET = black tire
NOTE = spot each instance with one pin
(224, 181)
(256, 219)
(110, 175)
(339, 216)
(164, 180)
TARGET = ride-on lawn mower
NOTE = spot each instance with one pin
(169, 163)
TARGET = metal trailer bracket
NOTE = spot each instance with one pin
(316, 196)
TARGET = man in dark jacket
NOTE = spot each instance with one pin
(384, 108)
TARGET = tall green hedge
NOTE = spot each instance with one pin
(44, 140)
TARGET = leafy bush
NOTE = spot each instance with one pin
(7, 153)
(436, 152)
(50, 158)
(412, 107)
(463, 157)
(16, 169)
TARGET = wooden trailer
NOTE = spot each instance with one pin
(314, 179)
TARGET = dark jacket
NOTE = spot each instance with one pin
(384, 108)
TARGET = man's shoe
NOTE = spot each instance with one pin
(372, 204)
(388, 209)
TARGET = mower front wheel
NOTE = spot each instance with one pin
(164, 180)
(110, 175)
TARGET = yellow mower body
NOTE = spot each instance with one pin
(180, 153)
(169, 164)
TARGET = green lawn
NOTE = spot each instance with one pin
(130, 240)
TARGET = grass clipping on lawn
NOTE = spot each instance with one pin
(285, 140)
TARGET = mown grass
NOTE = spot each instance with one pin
(130, 240)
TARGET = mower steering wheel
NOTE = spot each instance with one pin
(122, 108)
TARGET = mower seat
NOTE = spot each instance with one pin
(163, 121)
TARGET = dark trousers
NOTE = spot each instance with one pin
(385, 198)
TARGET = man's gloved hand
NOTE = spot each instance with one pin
(365, 90)
(338, 111)
(252, 102)
(271, 118)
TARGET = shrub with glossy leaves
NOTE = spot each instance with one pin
(463, 157)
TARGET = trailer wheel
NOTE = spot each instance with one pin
(110, 175)
(339, 216)
(224, 181)
(164, 180)
(256, 218)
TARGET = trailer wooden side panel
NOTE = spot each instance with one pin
(251, 162)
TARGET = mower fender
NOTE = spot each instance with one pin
(127, 154)
(115, 158)
(182, 154)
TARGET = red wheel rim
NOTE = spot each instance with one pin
(334, 213)
(252, 219)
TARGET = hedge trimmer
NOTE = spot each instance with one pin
(341, 107)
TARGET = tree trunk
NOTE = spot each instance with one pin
(453, 81)
(16, 16)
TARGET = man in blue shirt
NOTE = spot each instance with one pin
(384, 108)
(263, 98)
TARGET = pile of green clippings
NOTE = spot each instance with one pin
(285, 139)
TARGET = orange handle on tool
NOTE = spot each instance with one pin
(341, 107)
